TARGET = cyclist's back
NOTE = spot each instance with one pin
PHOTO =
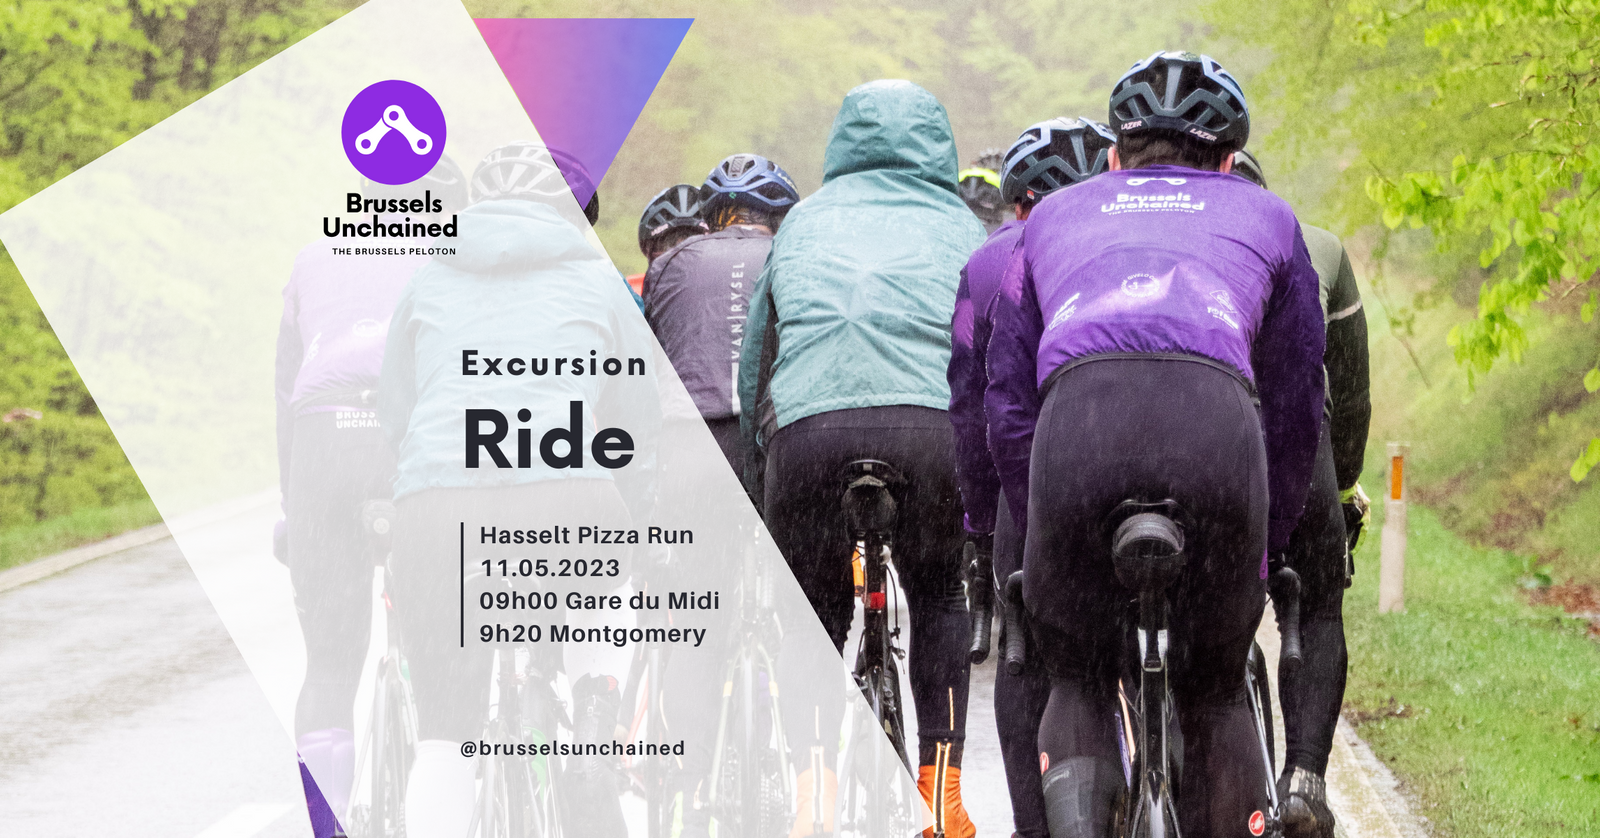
(523, 318)
(845, 358)
(332, 459)
(1152, 305)
(697, 294)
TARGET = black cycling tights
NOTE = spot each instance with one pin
(332, 472)
(803, 493)
(1148, 429)
(1312, 696)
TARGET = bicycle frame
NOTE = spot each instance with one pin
(387, 746)
(1154, 812)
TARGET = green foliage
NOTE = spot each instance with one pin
(1482, 704)
(763, 76)
(77, 78)
(1469, 119)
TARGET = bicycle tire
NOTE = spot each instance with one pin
(872, 799)
(394, 722)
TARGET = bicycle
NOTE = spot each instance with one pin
(750, 792)
(390, 742)
(872, 799)
(519, 795)
(1147, 552)
(651, 775)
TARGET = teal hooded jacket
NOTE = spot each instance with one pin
(523, 289)
(853, 308)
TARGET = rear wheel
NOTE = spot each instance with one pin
(394, 726)
(875, 798)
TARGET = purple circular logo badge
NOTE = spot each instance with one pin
(393, 132)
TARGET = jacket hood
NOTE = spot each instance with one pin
(513, 235)
(896, 125)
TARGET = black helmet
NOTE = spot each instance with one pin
(674, 208)
(445, 180)
(1184, 93)
(1054, 154)
(1246, 165)
(748, 180)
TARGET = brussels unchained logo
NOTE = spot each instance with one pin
(393, 132)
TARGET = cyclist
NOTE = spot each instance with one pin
(331, 460)
(980, 189)
(1320, 548)
(1049, 156)
(671, 216)
(697, 295)
(844, 358)
(1151, 302)
(522, 269)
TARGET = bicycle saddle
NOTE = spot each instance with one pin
(1147, 543)
(867, 502)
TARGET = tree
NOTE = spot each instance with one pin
(1469, 119)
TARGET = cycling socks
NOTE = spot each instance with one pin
(1079, 796)
(327, 768)
(441, 792)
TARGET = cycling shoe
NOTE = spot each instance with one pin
(1303, 802)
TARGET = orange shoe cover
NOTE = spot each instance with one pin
(807, 794)
(941, 790)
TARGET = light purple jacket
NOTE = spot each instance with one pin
(1164, 259)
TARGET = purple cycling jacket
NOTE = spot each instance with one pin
(969, 374)
(1166, 260)
(336, 312)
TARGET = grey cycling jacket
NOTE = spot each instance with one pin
(696, 298)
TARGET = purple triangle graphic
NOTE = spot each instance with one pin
(584, 81)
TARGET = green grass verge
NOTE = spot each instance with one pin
(24, 543)
(1487, 708)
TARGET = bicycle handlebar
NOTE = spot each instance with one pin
(1015, 630)
(979, 565)
(1284, 587)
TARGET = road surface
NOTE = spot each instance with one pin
(127, 710)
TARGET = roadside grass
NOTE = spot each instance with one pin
(26, 542)
(1487, 708)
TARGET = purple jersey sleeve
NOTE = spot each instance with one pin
(980, 484)
(1287, 357)
(1011, 401)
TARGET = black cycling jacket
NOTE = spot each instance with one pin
(1349, 401)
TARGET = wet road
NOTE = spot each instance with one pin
(126, 710)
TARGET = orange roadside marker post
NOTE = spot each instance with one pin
(1392, 555)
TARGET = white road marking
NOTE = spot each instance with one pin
(246, 821)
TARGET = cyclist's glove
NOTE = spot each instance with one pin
(1357, 511)
(978, 571)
